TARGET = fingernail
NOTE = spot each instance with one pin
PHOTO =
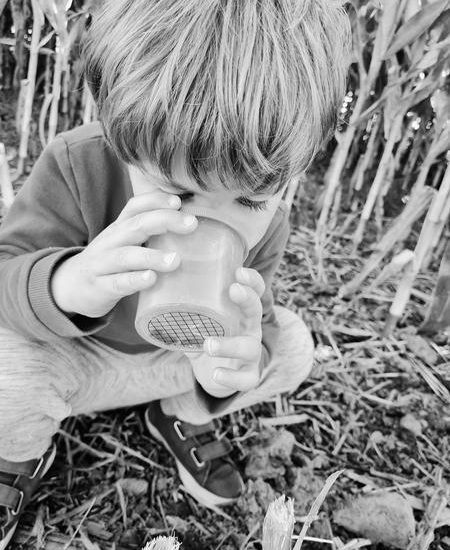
(169, 258)
(213, 346)
(174, 201)
(244, 274)
(188, 220)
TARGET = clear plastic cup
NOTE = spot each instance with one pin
(191, 303)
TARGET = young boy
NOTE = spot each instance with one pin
(213, 104)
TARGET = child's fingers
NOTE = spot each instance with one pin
(246, 348)
(246, 378)
(148, 201)
(250, 277)
(250, 304)
(135, 258)
(119, 285)
(140, 228)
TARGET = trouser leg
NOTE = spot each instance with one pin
(42, 383)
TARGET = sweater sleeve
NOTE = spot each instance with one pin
(43, 227)
(266, 260)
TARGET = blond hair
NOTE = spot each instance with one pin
(249, 89)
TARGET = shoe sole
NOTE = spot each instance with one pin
(202, 495)
(5, 541)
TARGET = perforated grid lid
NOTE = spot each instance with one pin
(183, 330)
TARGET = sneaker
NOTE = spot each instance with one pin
(206, 470)
(18, 482)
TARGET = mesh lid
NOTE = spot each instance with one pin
(183, 330)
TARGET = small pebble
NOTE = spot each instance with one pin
(409, 422)
(134, 486)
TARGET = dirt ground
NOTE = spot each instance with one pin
(378, 408)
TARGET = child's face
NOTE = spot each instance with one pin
(251, 215)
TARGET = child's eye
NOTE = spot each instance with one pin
(254, 205)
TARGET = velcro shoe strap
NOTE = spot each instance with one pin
(192, 430)
(28, 468)
(10, 497)
(213, 450)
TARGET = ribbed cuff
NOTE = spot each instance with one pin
(44, 306)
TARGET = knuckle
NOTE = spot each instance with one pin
(146, 255)
(86, 272)
(118, 284)
(132, 202)
(136, 222)
(123, 257)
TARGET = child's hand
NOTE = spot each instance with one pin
(231, 364)
(114, 264)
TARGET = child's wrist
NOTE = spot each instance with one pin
(58, 290)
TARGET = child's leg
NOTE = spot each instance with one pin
(290, 366)
(42, 383)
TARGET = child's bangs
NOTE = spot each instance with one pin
(248, 90)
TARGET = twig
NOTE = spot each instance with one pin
(111, 441)
(66, 546)
(286, 420)
(5, 179)
(249, 536)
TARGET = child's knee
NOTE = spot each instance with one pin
(294, 353)
(29, 438)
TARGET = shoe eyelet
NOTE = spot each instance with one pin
(38, 467)
(177, 428)
(199, 463)
(19, 504)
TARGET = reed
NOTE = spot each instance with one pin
(5, 180)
